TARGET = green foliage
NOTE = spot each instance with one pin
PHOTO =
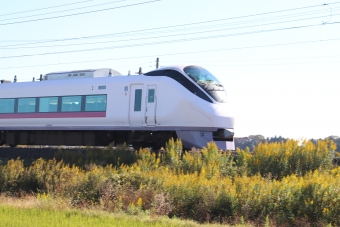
(290, 157)
(172, 156)
(12, 175)
(286, 183)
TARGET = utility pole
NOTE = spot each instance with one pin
(157, 63)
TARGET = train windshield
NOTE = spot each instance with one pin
(207, 81)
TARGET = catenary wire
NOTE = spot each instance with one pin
(33, 10)
(188, 52)
(148, 29)
(265, 59)
(81, 13)
(269, 64)
(262, 19)
(115, 34)
(163, 42)
(134, 34)
(195, 33)
(107, 3)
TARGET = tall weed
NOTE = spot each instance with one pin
(288, 183)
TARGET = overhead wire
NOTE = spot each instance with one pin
(184, 53)
(81, 13)
(269, 64)
(154, 37)
(84, 7)
(154, 43)
(261, 19)
(167, 27)
(46, 8)
(265, 59)
(163, 42)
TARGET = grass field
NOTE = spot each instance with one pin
(32, 212)
(33, 217)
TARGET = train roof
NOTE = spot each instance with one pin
(84, 70)
(179, 67)
(94, 73)
(78, 74)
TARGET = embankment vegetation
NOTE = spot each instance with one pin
(291, 183)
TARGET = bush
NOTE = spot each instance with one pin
(288, 183)
(283, 159)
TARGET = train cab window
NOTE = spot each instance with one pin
(71, 104)
(138, 100)
(207, 81)
(7, 105)
(187, 84)
(151, 95)
(95, 103)
(26, 105)
(48, 104)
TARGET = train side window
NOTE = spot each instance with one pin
(7, 105)
(48, 104)
(95, 103)
(71, 104)
(26, 105)
(151, 95)
(187, 84)
(138, 100)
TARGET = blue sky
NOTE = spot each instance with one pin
(279, 60)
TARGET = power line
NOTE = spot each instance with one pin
(164, 31)
(181, 25)
(262, 19)
(268, 59)
(269, 64)
(17, 40)
(195, 33)
(145, 63)
(46, 8)
(75, 14)
(163, 42)
(107, 3)
(184, 53)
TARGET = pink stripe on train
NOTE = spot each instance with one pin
(53, 115)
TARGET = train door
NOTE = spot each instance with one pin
(136, 113)
(151, 103)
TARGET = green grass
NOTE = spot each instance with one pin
(13, 216)
(32, 217)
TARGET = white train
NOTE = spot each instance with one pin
(99, 107)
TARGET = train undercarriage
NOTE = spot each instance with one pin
(137, 139)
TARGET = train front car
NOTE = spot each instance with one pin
(195, 106)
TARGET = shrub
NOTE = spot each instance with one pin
(286, 158)
(288, 183)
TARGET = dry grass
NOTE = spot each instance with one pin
(31, 201)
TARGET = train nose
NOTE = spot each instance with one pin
(222, 118)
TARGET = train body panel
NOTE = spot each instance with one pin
(133, 103)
